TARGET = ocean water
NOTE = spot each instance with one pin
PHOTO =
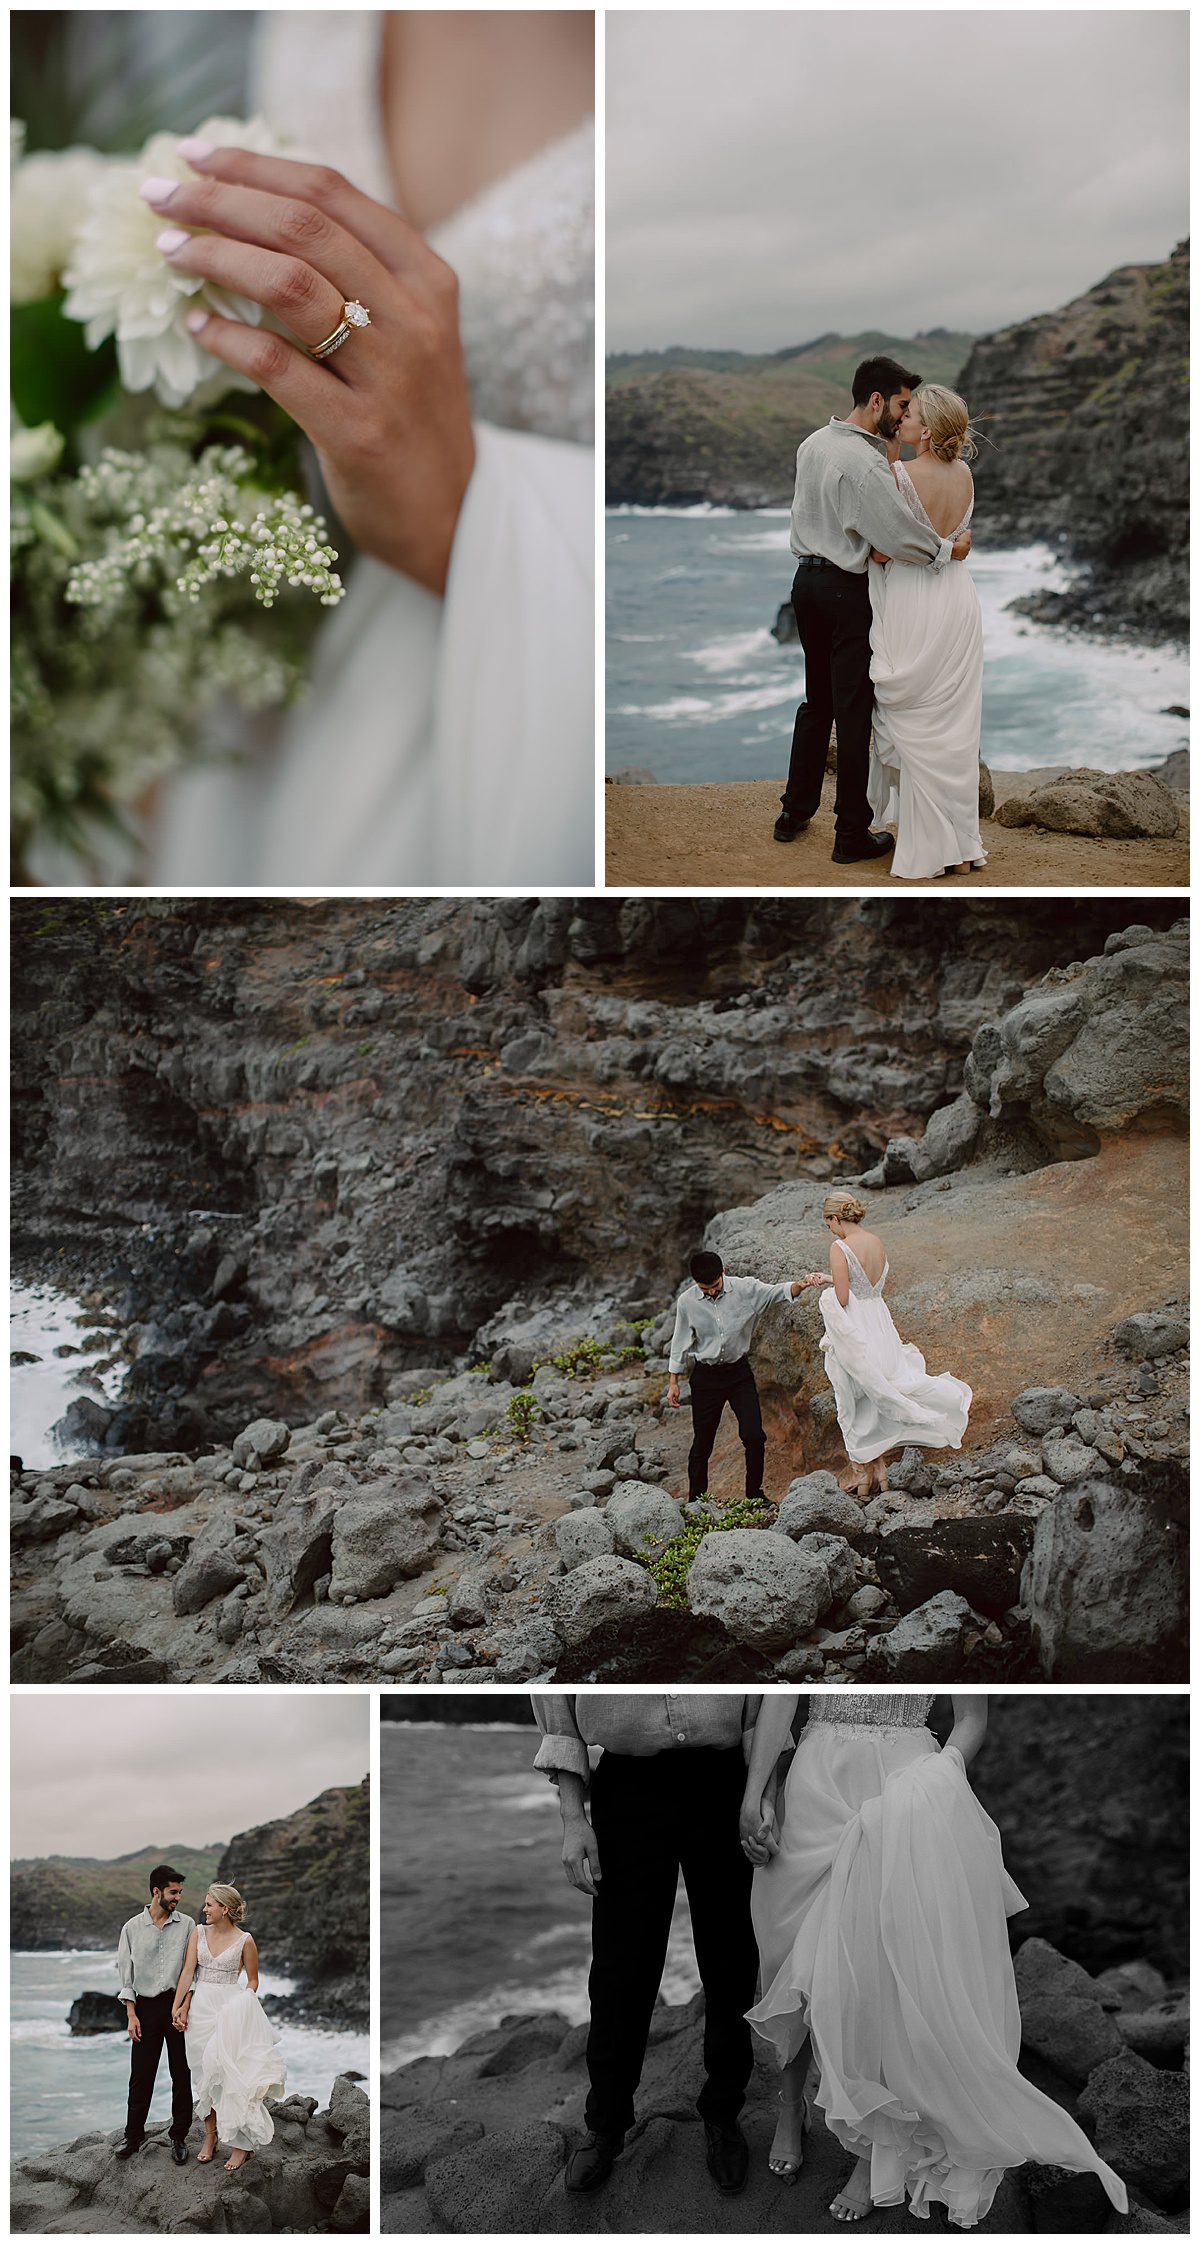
(40, 1321)
(697, 689)
(61, 2085)
(477, 1920)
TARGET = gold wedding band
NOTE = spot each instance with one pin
(353, 315)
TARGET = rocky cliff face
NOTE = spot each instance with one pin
(300, 1147)
(1086, 412)
(55, 1904)
(307, 1887)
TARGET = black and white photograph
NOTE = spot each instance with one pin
(594, 1291)
(896, 333)
(190, 1902)
(775, 1963)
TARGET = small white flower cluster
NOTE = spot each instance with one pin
(177, 526)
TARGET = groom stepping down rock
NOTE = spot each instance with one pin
(664, 1797)
(846, 503)
(150, 1955)
(715, 1322)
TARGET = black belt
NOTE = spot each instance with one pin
(814, 561)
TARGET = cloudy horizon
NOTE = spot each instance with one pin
(772, 177)
(107, 1776)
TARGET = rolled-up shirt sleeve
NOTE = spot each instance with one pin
(562, 1746)
(681, 1341)
(125, 1968)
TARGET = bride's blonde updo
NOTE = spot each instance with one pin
(945, 415)
(844, 1206)
(231, 1902)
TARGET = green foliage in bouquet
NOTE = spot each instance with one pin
(166, 562)
(143, 594)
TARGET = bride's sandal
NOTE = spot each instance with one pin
(207, 2151)
(236, 2160)
(789, 2169)
(853, 2200)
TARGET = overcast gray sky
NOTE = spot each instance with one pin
(772, 176)
(104, 1776)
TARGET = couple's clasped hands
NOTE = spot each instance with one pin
(179, 2017)
(389, 412)
(758, 1830)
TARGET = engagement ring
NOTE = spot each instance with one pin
(353, 315)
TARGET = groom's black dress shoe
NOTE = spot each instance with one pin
(853, 853)
(787, 827)
(179, 2152)
(727, 2154)
(592, 2163)
(127, 2148)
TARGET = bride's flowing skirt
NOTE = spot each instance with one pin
(927, 670)
(233, 2056)
(884, 1394)
(881, 1924)
(447, 742)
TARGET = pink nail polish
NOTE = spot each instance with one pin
(157, 191)
(195, 151)
(195, 321)
(171, 240)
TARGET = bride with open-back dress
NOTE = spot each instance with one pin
(885, 1397)
(881, 1918)
(444, 740)
(927, 669)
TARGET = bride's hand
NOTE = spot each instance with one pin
(389, 412)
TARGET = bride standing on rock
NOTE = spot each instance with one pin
(880, 1910)
(883, 1392)
(927, 659)
(232, 2048)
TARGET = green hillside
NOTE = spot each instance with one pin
(64, 1901)
(937, 357)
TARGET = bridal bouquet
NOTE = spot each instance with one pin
(165, 558)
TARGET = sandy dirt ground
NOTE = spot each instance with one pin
(719, 836)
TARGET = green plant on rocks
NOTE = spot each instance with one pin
(522, 1412)
(670, 1566)
(581, 1359)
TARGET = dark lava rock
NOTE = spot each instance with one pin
(97, 2014)
(663, 1647)
(1138, 2119)
(980, 1558)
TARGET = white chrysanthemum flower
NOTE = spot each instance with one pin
(48, 204)
(119, 283)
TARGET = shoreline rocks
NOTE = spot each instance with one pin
(313, 2177)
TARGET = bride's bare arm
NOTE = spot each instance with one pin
(841, 1275)
(250, 1965)
(772, 1732)
(183, 1990)
(970, 1723)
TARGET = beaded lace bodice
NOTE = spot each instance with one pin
(908, 492)
(523, 250)
(860, 1284)
(222, 1970)
(871, 1710)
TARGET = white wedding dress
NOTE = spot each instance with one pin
(232, 2049)
(884, 1394)
(881, 1926)
(927, 670)
(444, 742)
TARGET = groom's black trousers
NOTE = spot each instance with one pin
(833, 617)
(714, 1385)
(154, 2018)
(653, 1818)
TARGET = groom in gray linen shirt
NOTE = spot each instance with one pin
(846, 505)
(150, 1957)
